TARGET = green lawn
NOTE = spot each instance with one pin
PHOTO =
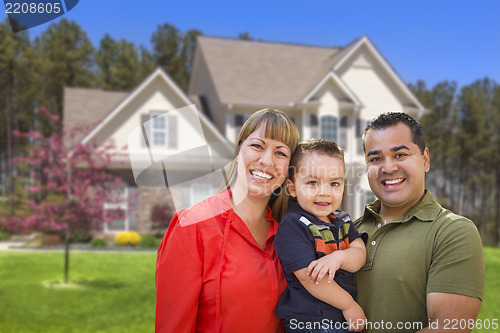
(491, 302)
(115, 293)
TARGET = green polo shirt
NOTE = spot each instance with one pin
(428, 249)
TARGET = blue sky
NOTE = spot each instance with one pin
(431, 40)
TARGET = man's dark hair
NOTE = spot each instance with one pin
(390, 119)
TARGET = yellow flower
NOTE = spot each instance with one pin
(127, 238)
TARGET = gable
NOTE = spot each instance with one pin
(332, 85)
(157, 95)
(375, 82)
(158, 90)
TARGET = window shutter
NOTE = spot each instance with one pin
(342, 138)
(359, 135)
(172, 131)
(314, 122)
(239, 119)
(146, 130)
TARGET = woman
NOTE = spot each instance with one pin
(217, 269)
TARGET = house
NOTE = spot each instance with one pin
(166, 152)
(179, 143)
(330, 93)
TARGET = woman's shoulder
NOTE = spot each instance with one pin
(213, 207)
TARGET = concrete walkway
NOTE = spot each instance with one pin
(18, 246)
(11, 245)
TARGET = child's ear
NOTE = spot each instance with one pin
(291, 188)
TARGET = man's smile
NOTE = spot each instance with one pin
(395, 181)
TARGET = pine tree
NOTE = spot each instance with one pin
(66, 56)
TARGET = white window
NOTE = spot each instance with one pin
(119, 205)
(200, 192)
(159, 125)
(329, 128)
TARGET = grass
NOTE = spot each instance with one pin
(114, 292)
(109, 292)
(490, 308)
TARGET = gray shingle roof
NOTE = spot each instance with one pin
(84, 106)
(264, 72)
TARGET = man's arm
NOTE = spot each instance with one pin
(451, 313)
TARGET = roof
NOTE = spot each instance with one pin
(112, 103)
(84, 106)
(264, 72)
(269, 73)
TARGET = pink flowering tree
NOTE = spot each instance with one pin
(76, 175)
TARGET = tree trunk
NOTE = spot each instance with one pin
(10, 180)
(496, 226)
(472, 203)
(66, 257)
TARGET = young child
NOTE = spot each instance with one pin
(314, 238)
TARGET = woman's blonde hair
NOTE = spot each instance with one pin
(277, 126)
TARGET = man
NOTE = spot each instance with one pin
(425, 266)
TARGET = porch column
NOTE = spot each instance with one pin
(305, 131)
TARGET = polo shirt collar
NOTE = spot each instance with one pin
(425, 211)
(294, 207)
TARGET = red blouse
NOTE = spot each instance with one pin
(211, 276)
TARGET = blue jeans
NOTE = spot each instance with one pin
(296, 326)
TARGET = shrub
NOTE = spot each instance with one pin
(127, 238)
(51, 240)
(81, 236)
(150, 241)
(98, 242)
(4, 235)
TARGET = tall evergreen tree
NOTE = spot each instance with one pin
(166, 46)
(187, 54)
(66, 56)
(495, 142)
(438, 126)
(173, 51)
(16, 100)
(462, 130)
(245, 36)
(118, 64)
(474, 138)
(104, 58)
(146, 63)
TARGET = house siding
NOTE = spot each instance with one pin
(204, 86)
(154, 97)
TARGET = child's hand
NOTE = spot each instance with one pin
(317, 269)
(355, 317)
